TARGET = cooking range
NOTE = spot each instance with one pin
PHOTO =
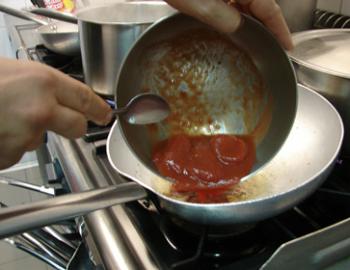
(139, 235)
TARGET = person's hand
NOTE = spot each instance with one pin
(224, 15)
(35, 98)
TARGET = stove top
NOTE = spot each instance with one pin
(176, 244)
(141, 235)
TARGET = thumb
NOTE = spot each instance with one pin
(216, 13)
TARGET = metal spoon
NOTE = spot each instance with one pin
(144, 109)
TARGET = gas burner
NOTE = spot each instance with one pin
(216, 245)
(70, 65)
(212, 232)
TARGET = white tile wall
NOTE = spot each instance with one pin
(337, 6)
(330, 5)
(345, 8)
(5, 47)
(16, 3)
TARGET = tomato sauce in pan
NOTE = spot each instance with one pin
(192, 71)
(205, 166)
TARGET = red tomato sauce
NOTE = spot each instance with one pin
(204, 166)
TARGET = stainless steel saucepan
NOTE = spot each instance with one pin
(302, 164)
(60, 37)
(106, 35)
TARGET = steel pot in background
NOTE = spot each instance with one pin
(322, 62)
(107, 33)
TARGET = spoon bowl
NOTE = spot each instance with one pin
(143, 109)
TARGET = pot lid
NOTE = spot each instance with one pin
(326, 50)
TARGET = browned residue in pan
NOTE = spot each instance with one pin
(204, 76)
(212, 86)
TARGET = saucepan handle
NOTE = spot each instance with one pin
(17, 219)
(53, 14)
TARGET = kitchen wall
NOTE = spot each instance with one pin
(336, 6)
(5, 47)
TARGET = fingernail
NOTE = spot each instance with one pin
(230, 20)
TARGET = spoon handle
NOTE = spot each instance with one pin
(118, 111)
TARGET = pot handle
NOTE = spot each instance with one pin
(18, 219)
(22, 14)
(53, 14)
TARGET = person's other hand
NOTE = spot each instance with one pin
(224, 15)
(35, 98)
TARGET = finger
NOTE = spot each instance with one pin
(213, 12)
(7, 161)
(68, 122)
(78, 96)
(270, 14)
(36, 142)
(12, 149)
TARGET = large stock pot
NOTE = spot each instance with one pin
(322, 62)
(107, 33)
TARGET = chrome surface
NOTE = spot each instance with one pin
(224, 98)
(22, 218)
(318, 127)
(61, 37)
(322, 62)
(44, 245)
(47, 249)
(115, 237)
(14, 182)
(51, 13)
(22, 244)
(143, 109)
(57, 235)
(318, 250)
(325, 50)
(22, 14)
(106, 35)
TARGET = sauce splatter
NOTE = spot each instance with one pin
(204, 167)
